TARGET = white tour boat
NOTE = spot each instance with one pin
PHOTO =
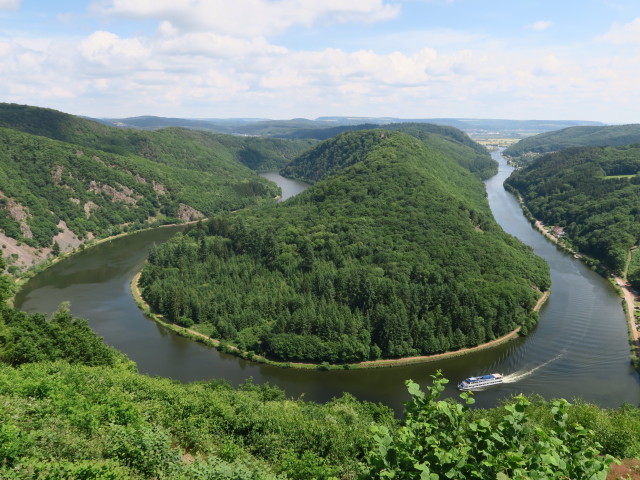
(477, 383)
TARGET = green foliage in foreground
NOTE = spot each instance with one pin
(396, 255)
(442, 439)
(59, 418)
(33, 338)
(532, 147)
(594, 193)
(61, 421)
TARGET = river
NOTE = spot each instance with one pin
(579, 347)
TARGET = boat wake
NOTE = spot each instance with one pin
(522, 374)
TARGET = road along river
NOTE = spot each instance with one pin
(579, 347)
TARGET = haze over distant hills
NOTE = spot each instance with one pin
(294, 128)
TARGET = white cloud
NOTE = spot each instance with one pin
(9, 4)
(247, 18)
(211, 44)
(621, 34)
(201, 61)
(108, 49)
(540, 25)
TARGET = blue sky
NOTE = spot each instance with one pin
(562, 59)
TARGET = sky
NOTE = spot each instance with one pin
(515, 59)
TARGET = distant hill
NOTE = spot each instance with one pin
(329, 157)
(296, 128)
(594, 194)
(149, 122)
(325, 127)
(394, 252)
(184, 148)
(585, 136)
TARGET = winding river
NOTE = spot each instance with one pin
(578, 349)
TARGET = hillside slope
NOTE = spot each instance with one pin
(583, 136)
(395, 254)
(593, 193)
(178, 147)
(53, 192)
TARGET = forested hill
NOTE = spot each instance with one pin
(584, 136)
(395, 255)
(594, 194)
(54, 195)
(199, 150)
(347, 148)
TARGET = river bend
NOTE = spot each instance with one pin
(579, 347)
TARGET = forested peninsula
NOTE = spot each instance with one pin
(593, 194)
(394, 254)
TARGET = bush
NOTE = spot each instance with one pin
(439, 440)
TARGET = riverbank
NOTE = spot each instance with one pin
(384, 363)
(628, 298)
(629, 302)
(51, 261)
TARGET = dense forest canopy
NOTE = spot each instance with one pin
(593, 193)
(532, 147)
(66, 179)
(328, 158)
(396, 254)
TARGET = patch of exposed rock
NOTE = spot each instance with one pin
(189, 214)
(124, 194)
(56, 173)
(88, 207)
(18, 254)
(158, 188)
(67, 240)
(19, 213)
